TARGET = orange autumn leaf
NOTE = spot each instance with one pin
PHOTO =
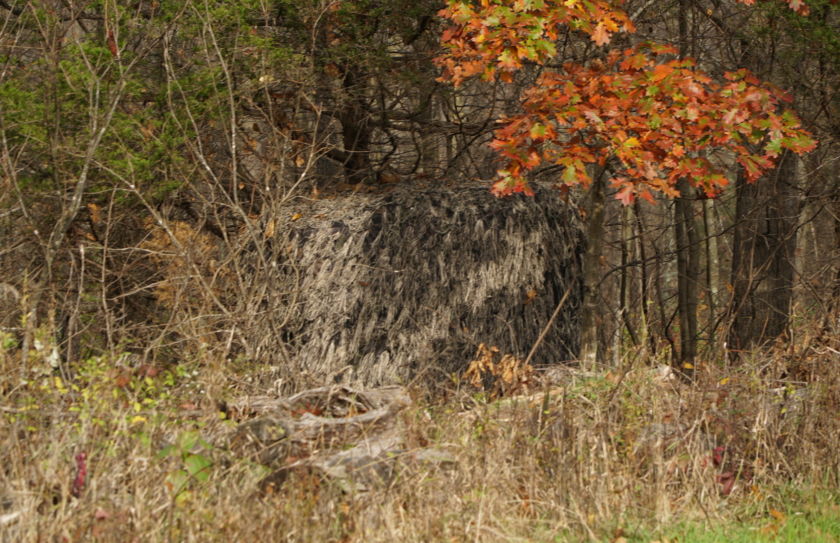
(658, 117)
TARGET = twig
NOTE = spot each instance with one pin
(548, 325)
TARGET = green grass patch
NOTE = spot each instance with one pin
(814, 518)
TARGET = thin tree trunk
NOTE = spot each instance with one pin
(712, 266)
(645, 301)
(763, 265)
(659, 276)
(836, 287)
(355, 130)
(688, 273)
(625, 279)
(590, 315)
(687, 244)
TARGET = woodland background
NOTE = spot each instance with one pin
(144, 145)
(140, 141)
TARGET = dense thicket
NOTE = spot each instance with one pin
(144, 143)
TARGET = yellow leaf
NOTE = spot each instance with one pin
(530, 296)
(296, 216)
(776, 514)
(724, 381)
(269, 229)
(95, 213)
(688, 365)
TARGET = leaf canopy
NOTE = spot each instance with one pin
(656, 115)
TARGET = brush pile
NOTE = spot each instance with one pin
(391, 286)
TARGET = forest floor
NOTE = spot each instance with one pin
(629, 453)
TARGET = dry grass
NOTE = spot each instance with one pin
(599, 455)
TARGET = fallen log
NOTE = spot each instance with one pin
(354, 437)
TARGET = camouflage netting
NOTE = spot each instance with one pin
(407, 284)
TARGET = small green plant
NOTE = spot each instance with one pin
(193, 465)
(8, 342)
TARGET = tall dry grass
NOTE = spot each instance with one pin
(596, 455)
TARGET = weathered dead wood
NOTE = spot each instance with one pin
(356, 437)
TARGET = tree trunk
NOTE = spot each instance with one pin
(590, 317)
(687, 245)
(688, 273)
(835, 299)
(355, 130)
(626, 278)
(646, 300)
(712, 268)
(763, 249)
